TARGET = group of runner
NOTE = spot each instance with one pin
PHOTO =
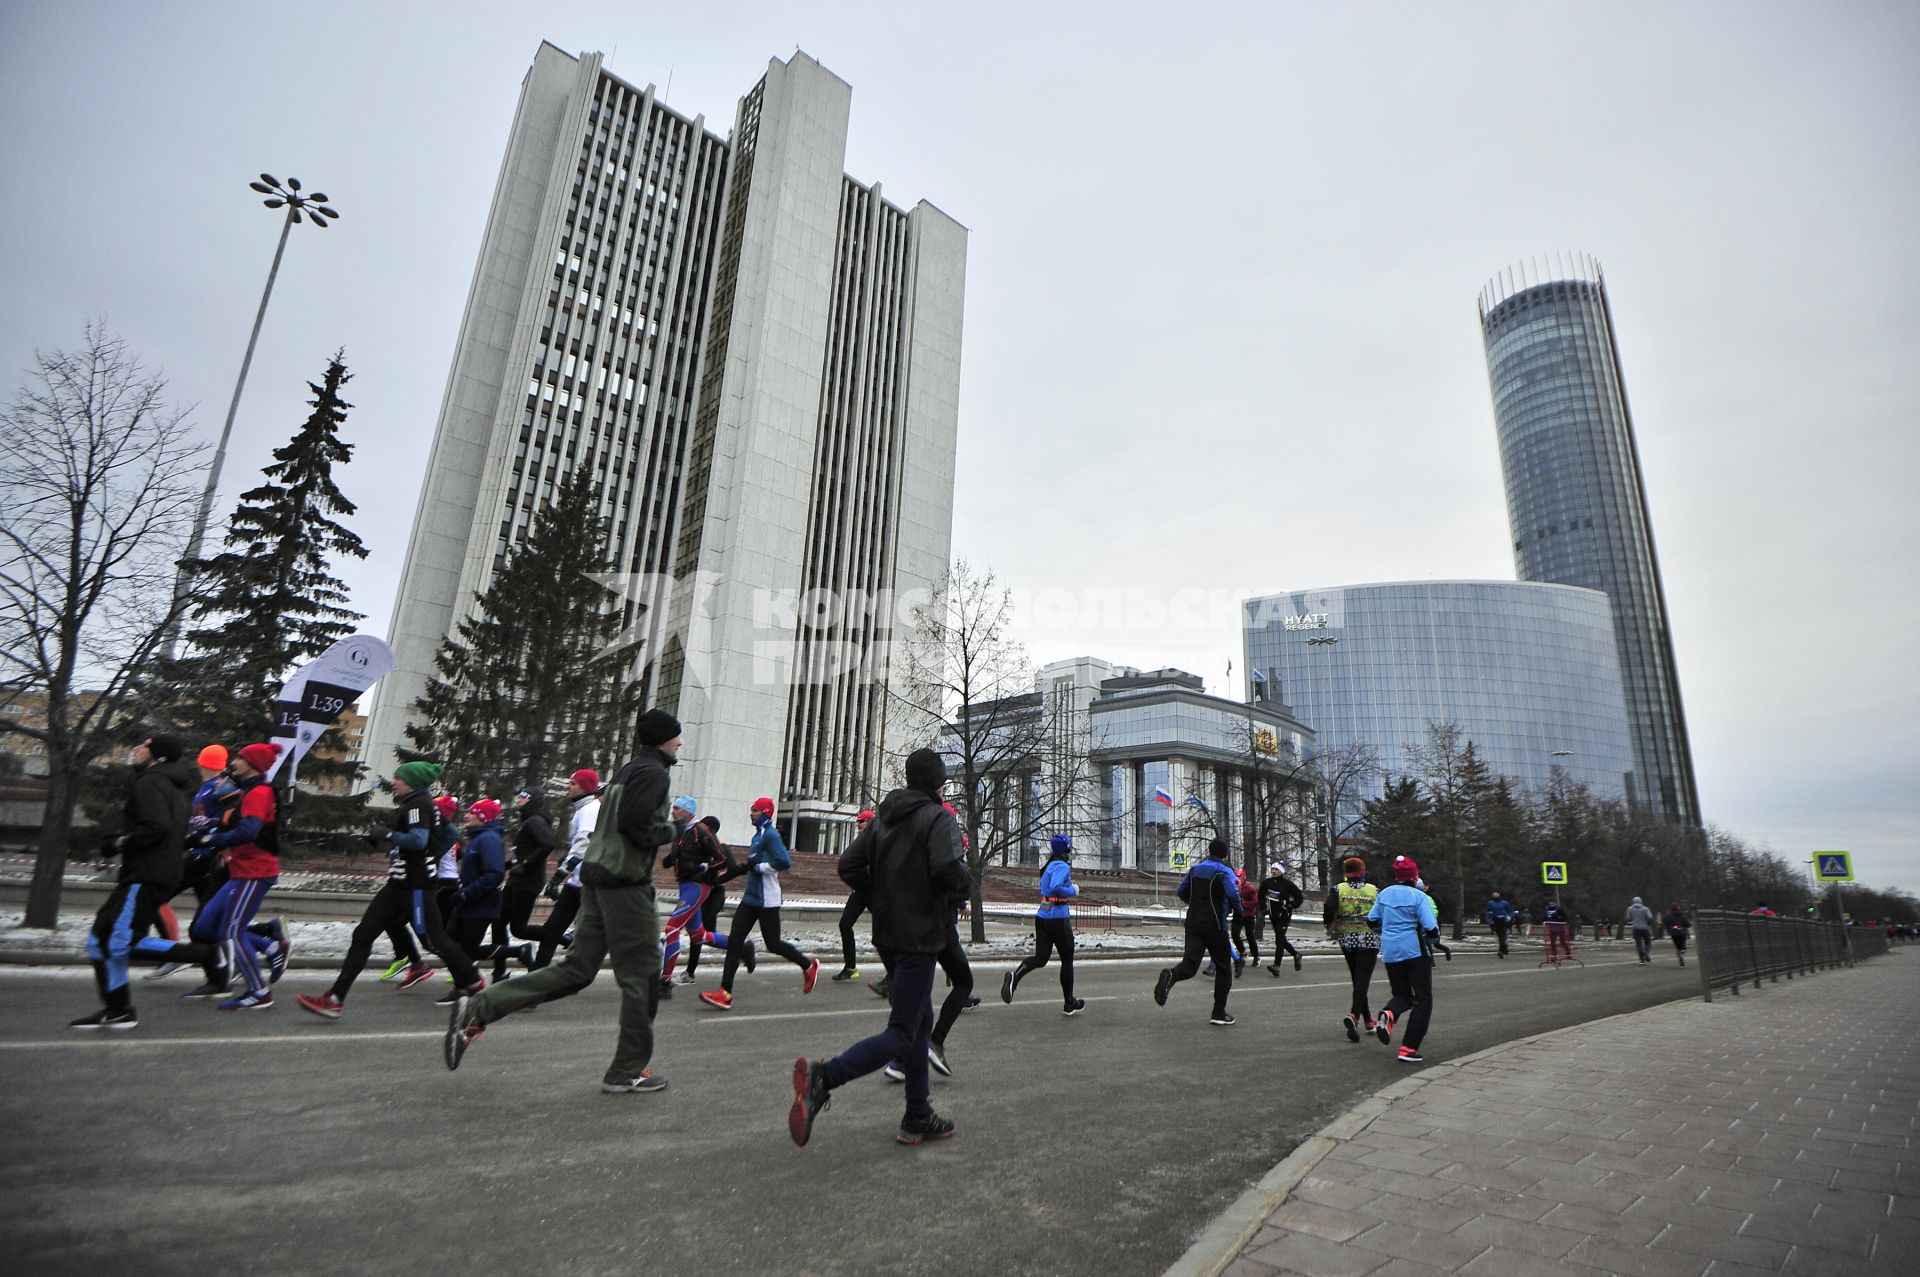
(459, 887)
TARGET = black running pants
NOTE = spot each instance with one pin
(1213, 945)
(1050, 934)
(769, 919)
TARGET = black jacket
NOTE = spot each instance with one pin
(1280, 894)
(531, 843)
(634, 826)
(697, 856)
(912, 866)
(154, 834)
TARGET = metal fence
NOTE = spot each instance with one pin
(1733, 949)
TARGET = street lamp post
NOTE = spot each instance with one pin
(309, 207)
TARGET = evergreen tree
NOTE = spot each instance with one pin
(527, 690)
(1399, 821)
(270, 602)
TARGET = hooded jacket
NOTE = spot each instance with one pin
(483, 867)
(532, 840)
(1212, 895)
(1639, 917)
(1056, 886)
(155, 833)
(910, 863)
(767, 857)
(634, 824)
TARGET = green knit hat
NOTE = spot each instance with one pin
(418, 774)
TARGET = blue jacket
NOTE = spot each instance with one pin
(1497, 911)
(769, 849)
(483, 867)
(1212, 895)
(1404, 915)
(1056, 886)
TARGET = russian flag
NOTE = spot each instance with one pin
(1161, 796)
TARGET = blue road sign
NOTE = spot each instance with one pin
(1833, 866)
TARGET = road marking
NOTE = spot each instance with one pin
(119, 1038)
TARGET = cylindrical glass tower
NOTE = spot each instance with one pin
(1575, 500)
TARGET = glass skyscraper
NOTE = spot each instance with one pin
(1575, 500)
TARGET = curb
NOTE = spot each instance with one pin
(1221, 1242)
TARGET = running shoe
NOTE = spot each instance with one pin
(394, 972)
(1006, 988)
(1273, 969)
(973, 1004)
(448, 998)
(105, 1019)
(326, 1006)
(1410, 1056)
(282, 950)
(1239, 969)
(165, 969)
(1352, 1025)
(893, 1072)
(1076, 1006)
(418, 973)
(918, 1130)
(846, 973)
(463, 1030)
(937, 1057)
(883, 988)
(1296, 962)
(645, 1084)
(809, 1097)
(211, 989)
(719, 999)
(1223, 1019)
(248, 1002)
(688, 977)
(666, 990)
(1162, 986)
(1383, 1028)
(751, 956)
(812, 977)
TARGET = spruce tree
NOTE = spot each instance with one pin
(269, 602)
(527, 690)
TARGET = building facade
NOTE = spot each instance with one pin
(1528, 672)
(1576, 502)
(1143, 769)
(759, 357)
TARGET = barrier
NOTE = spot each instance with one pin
(1732, 949)
(1093, 915)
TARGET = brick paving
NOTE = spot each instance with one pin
(1773, 1132)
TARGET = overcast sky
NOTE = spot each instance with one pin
(1220, 318)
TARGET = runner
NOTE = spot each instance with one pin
(153, 832)
(856, 905)
(1246, 925)
(1279, 896)
(1407, 924)
(1498, 914)
(483, 867)
(1678, 925)
(695, 858)
(1346, 917)
(718, 877)
(617, 918)
(1640, 922)
(406, 895)
(1052, 926)
(767, 859)
(583, 792)
(444, 850)
(910, 863)
(533, 840)
(1213, 900)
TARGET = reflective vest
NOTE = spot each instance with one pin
(1352, 905)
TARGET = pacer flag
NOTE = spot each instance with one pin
(322, 690)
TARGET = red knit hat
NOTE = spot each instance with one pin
(487, 809)
(260, 756)
(762, 807)
(588, 780)
(1404, 870)
(862, 819)
(447, 805)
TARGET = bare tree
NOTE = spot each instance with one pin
(1340, 776)
(1456, 783)
(973, 685)
(98, 498)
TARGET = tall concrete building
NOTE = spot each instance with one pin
(760, 358)
(1575, 500)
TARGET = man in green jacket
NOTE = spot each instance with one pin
(617, 917)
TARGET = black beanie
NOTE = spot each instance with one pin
(926, 771)
(1217, 849)
(657, 727)
(163, 747)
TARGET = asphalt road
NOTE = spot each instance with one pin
(275, 1142)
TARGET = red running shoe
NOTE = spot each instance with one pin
(813, 974)
(326, 1006)
(419, 973)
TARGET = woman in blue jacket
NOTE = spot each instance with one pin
(760, 902)
(1052, 926)
(483, 869)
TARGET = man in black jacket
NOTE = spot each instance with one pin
(526, 876)
(153, 838)
(1279, 897)
(618, 918)
(910, 863)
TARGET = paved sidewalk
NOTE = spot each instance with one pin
(1774, 1132)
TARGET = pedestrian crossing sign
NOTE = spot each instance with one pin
(1178, 859)
(1833, 866)
(1553, 872)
